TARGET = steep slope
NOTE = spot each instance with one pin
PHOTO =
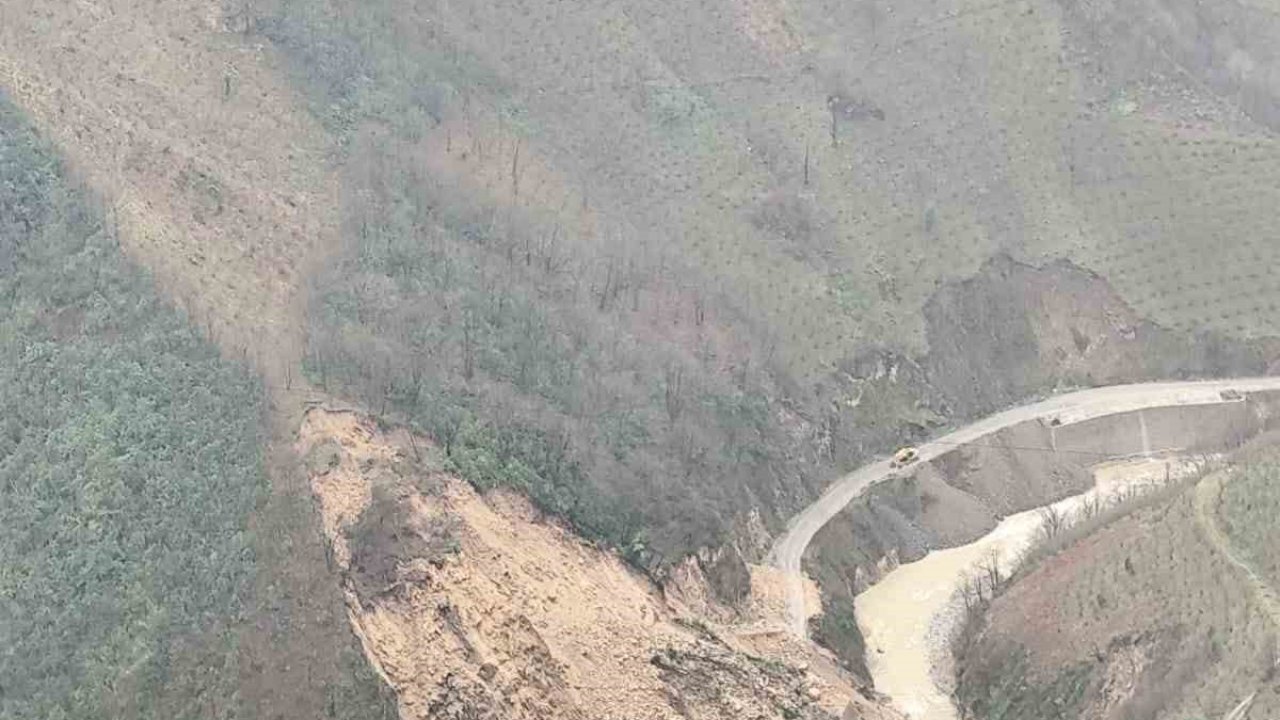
(827, 166)
(215, 180)
(659, 253)
(668, 268)
(662, 276)
(131, 465)
(965, 482)
(482, 606)
(1145, 618)
(206, 173)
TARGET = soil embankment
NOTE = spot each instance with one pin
(1140, 618)
(909, 616)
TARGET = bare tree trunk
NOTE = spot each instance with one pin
(515, 172)
(468, 351)
(991, 566)
(607, 289)
(674, 392)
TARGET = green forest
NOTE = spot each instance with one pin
(131, 461)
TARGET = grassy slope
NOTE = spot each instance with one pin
(635, 266)
(1142, 619)
(962, 129)
(1248, 509)
(131, 464)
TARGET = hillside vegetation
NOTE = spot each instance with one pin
(130, 460)
(659, 274)
(821, 168)
(1248, 509)
(666, 267)
(131, 464)
(1145, 618)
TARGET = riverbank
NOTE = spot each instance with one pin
(908, 617)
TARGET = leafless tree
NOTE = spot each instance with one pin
(991, 569)
(1091, 507)
(1052, 522)
(468, 348)
(969, 594)
(515, 172)
(674, 392)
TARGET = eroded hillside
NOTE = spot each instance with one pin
(482, 606)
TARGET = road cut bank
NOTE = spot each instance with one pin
(986, 498)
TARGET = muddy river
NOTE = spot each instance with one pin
(908, 616)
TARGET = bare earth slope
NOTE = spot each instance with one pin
(912, 614)
(505, 614)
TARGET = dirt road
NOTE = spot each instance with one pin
(789, 549)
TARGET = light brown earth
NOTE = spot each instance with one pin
(526, 620)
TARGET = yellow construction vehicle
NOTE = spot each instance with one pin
(904, 456)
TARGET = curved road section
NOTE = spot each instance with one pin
(1068, 408)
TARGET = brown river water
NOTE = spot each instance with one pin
(908, 617)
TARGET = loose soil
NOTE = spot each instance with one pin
(526, 620)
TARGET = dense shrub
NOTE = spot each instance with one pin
(130, 460)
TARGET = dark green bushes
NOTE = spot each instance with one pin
(130, 461)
